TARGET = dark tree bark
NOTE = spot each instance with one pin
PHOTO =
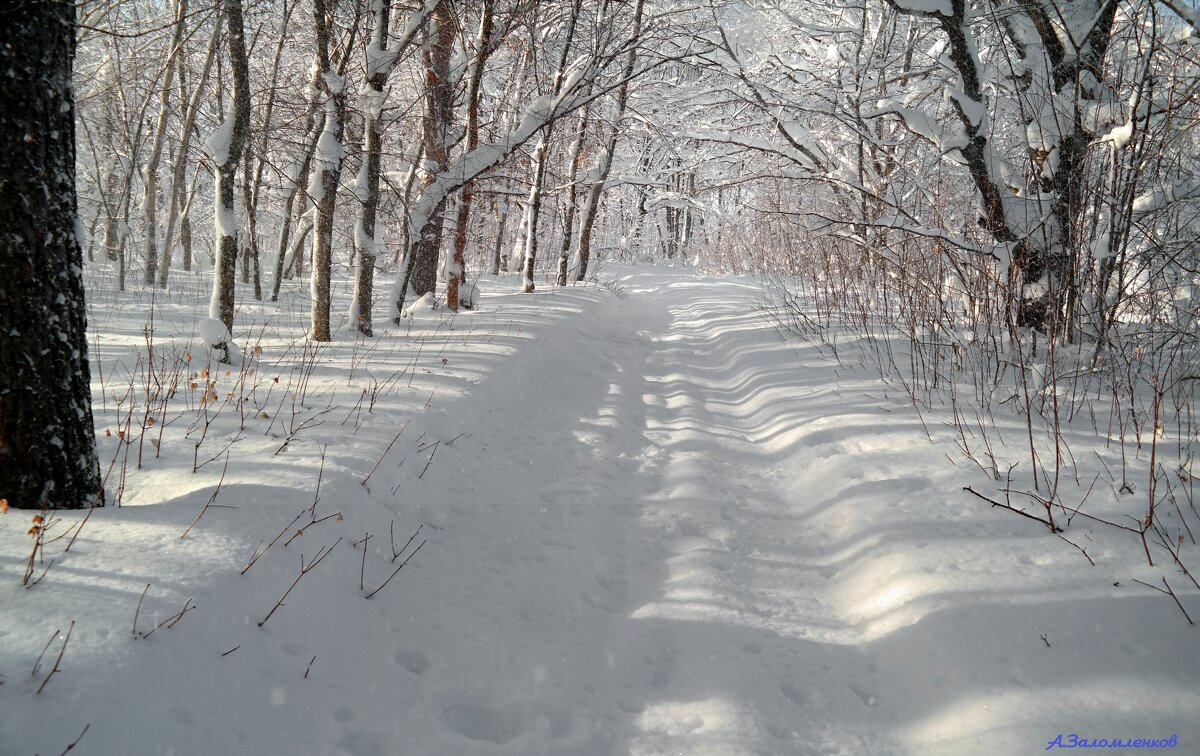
(221, 307)
(436, 126)
(47, 441)
(328, 168)
(457, 272)
(366, 249)
(1043, 271)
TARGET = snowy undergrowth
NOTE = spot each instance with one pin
(653, 526)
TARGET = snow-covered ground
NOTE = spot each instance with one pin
(650, 526)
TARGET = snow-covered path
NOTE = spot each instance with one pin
(706, 542)
(709, 546)
(655, 528)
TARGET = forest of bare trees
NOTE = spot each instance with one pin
(746, 376)
(1010, 184)
(353, 136)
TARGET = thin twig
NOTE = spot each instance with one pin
(324, 552)
(396, 554)
(1170, 592)
(71, 543)
(211, 499)
(317, 494)
(397, 572)
(38, 662)
(1011, 508)
(171, 621)
(317, 521)
(258, 554)
(385, 452)
(139, 609)
(429, 461)
(61, 651)
(1081, 549)
(362, 572)
(75, 742)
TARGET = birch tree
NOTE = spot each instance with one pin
(150, 208)
(225, 147)
(483, 39)
(380, 60)
(329, 85)
(599, 171)
(533, 206)
(367, 187)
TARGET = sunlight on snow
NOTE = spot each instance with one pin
(709, 726)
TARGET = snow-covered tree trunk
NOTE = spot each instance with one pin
(455, 272)
(367, 186)
(598, 174)
(150, 209)
(533, 205)
(295, 178)
(501, 211)
(47, 440)
(328, 169)
(254, 192)
(564, 250)
(517, 253)
(226, 147)
(1059, 53)
(533, 210)
(179, 193)
(425, 223)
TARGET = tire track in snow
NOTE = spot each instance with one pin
(734, 646)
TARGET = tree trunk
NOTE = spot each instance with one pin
(533, 210)
(225, 269)
(1044, 259)
(456, 272)
(179, 173)
(599, 172)
(564, 250)
(160, 133)
(329, 168)
(518, 247)
(366, 249)
(420, 273)
(297, 179)
(47, 439)
(501, 207)
(255, 190)
(540, 154)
